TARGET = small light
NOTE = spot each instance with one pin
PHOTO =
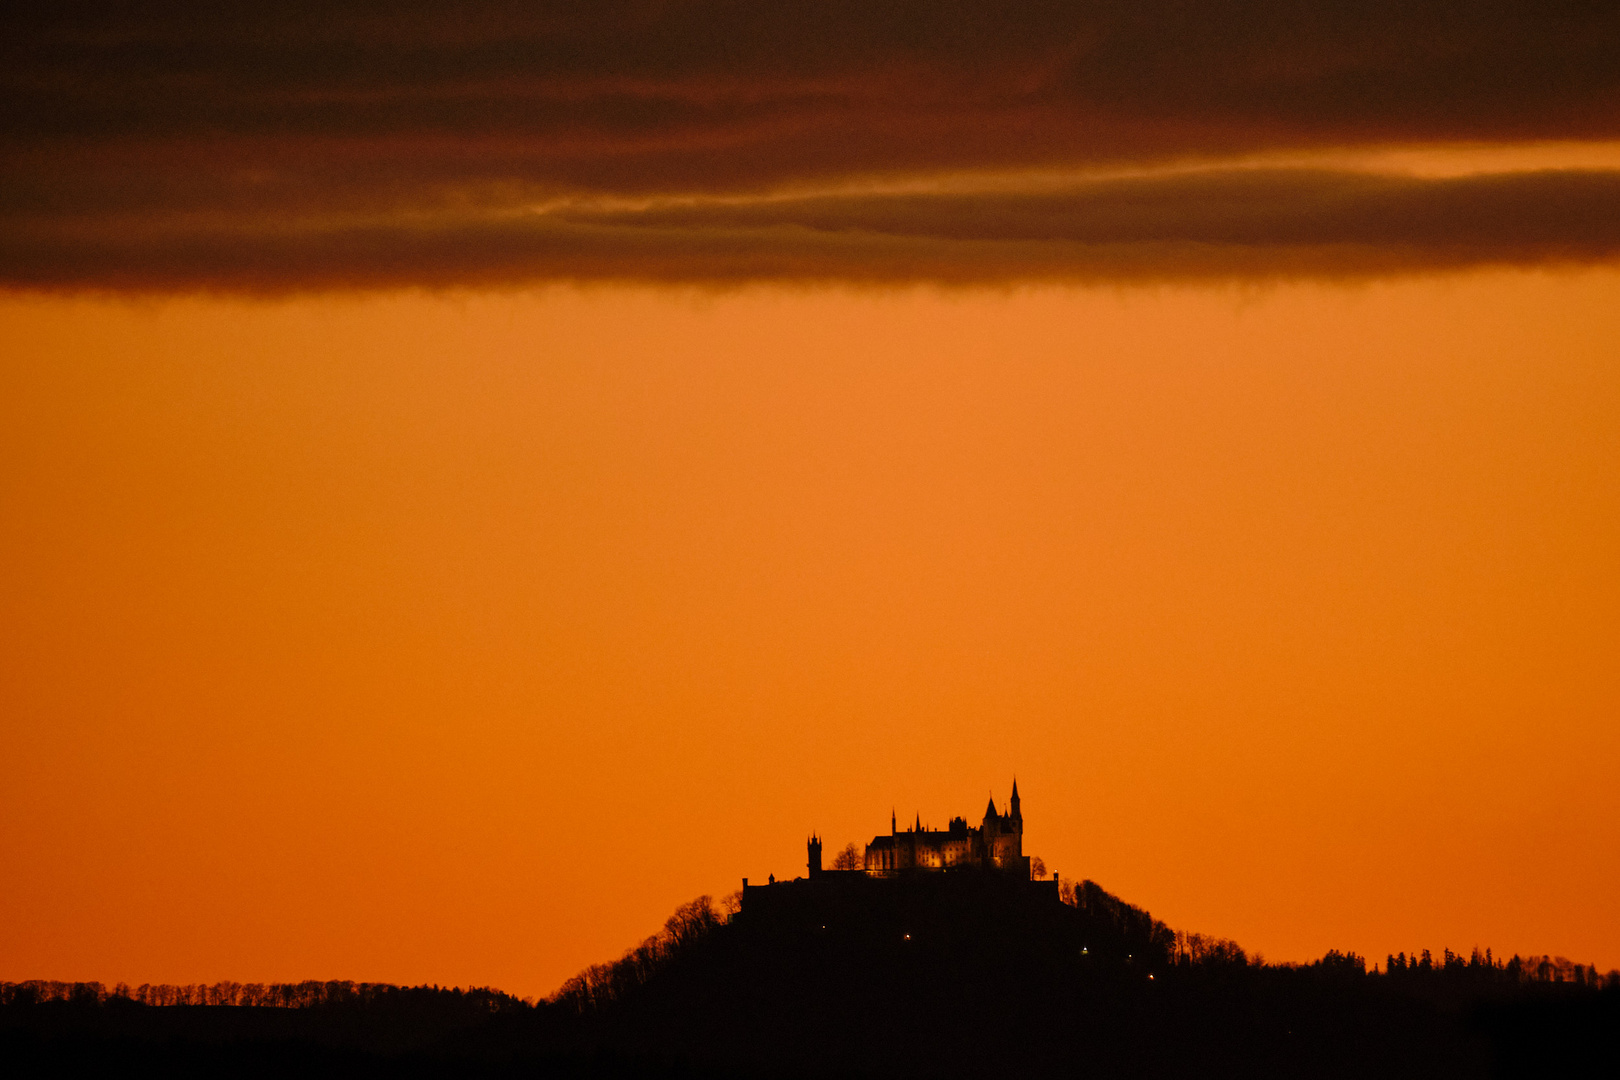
(908, 937)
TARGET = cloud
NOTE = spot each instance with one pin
(1220, 223)
(290, 145)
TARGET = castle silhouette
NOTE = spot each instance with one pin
(997, 843)
(911, 870)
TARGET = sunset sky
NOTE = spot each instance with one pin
(471, 484)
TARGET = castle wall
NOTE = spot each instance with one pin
(998, 843)
(943, 850)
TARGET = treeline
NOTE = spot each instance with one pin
(1158, 945)
(601, 985)
(300, 995)
(1483, 967)
(1096, 981)
(1151, 940)
(1153, 945)
(1206, 950)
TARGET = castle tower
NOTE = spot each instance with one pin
(1013, 852)
(814, 846)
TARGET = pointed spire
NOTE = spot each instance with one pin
(918, 827)
(990, 811)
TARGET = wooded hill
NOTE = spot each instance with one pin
(1090, 986)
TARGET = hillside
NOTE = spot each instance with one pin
(928, 978)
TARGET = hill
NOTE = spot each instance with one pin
(936, 975)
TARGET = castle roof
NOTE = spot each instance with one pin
(887, 841)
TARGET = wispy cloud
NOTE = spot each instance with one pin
(186, 145)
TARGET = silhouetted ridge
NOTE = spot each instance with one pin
(971, 973)
(309, 994)
(602, 985)
(952, 973)
(271, 1030)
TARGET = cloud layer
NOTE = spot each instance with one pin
(1221, 223)
(241, 146)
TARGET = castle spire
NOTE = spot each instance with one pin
(1012, 805)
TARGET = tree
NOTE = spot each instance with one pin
(851, 858)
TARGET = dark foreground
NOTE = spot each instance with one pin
(973, 979)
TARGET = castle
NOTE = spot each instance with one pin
(997, 843)
(916, 882)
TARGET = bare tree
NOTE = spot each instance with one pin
(851, 858)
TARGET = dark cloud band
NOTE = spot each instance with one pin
(1217, 224)
(283, 145)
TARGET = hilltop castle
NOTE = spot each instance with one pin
(917, 881)
(997, 843)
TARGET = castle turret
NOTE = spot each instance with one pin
(1014, 814)
(814, 847)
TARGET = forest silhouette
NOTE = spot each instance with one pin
(936, 975)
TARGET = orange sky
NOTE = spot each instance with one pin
(457, 639)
